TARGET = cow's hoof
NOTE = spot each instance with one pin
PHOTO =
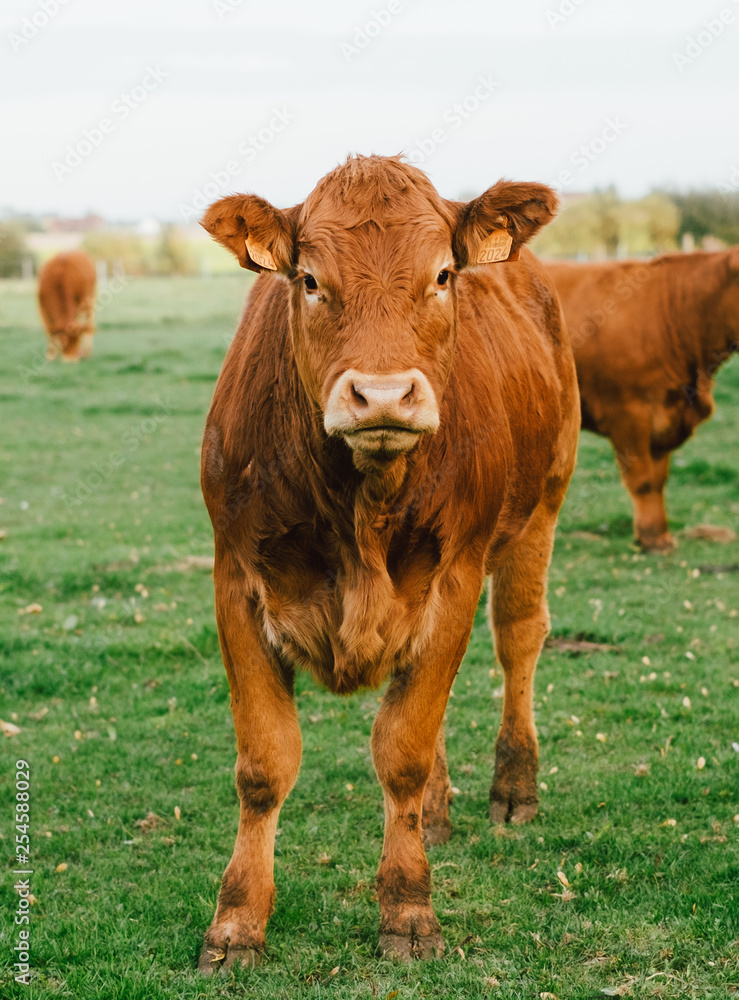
(245, 958)
(214, 959)
(404, 948)
(513, 797)
(663, 543)
(437, 833)
(210, 960)
(505, 811)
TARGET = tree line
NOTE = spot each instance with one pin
(601, 224)
(594, 225)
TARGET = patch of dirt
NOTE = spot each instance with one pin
(579, 646)
(118, 566)
(186, 565)
(711, 533)
(204, 563)
(587, 536)
(150, 822)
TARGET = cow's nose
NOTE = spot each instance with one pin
(361, 403)
(387, 399)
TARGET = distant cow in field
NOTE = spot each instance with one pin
(648, 338)
(66, 295)
(395, 421)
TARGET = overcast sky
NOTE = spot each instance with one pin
(270, 96)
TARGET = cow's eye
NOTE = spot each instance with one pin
(311, 285)
(442, 277)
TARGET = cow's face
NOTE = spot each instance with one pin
(65, 343)
(372, 257)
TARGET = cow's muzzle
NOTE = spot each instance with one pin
(381, 414)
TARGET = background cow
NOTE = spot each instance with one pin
(66, 296)
(392, 424)
(648, 338)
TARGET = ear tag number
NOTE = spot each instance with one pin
(495, 248)
(260, 255)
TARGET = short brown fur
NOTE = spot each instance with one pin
(648, 338)
(66, 295)
(366, 565)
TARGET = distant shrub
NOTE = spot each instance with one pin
(172, 255)
(136, 256)
(13, 250)
(124, 251)
(709, 213)
(602, 224)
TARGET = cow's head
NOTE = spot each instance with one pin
(373, 256)
(68, 343)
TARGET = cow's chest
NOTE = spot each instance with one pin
(675, 420)
(348, 616)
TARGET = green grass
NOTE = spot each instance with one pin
(119, 677)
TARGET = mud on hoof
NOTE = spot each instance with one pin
(406, 947)
(505, 811)
(662, 543)
(214, 959)
(437, 832)
(514, 797)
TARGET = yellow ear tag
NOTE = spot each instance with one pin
(260, 255)
(495, 247)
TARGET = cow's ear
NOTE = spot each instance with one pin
(259, 235)
(495, 226)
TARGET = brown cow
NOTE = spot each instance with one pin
(648, 338)
(66, 295)
(391, 424)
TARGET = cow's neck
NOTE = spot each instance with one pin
(368, 591)
(357, 517)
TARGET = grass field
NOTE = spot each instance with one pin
(119, 692)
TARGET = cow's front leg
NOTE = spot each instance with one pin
(645, 476)
(437, 826)
(404, 741)
(520, 623)
(269, 750)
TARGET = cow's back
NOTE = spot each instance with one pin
(640, 333)
(617, 314)
(66, 283)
